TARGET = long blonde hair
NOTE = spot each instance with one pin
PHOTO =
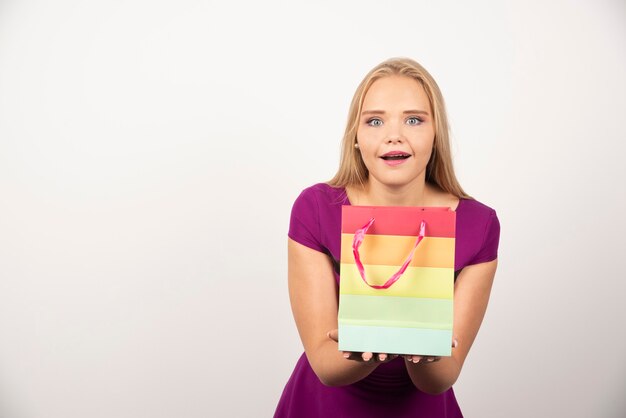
(439, 170)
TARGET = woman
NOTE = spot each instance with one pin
(395, 153)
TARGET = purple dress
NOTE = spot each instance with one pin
(388, 390)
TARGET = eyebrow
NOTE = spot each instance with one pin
(382, 112)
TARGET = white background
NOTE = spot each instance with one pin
(150, 152)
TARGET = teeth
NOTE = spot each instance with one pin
(396, 157)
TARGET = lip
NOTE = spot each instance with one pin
(393, 153)
(394, 163)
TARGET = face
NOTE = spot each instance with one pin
(396, 131)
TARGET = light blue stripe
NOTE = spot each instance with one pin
(395, 340)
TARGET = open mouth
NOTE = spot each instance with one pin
(395, 155)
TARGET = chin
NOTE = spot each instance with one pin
(396, 182)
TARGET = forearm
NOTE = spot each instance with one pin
(434, 377)
(333, 369)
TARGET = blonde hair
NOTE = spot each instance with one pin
(439, 170)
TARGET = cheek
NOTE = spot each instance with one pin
(361, 137)
(366, 145)
(424, 144)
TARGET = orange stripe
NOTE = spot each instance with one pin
(392, 250)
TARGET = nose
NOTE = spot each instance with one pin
(394, 134)
(394, 138)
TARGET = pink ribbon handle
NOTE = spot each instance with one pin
(359, 235)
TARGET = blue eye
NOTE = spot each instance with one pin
(374, 122)
(414, 120)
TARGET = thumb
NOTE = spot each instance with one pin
(333, 335)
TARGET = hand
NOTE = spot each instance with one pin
(427, 359)
(383, 357)
(362, 357)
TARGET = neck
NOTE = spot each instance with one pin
(378, 194)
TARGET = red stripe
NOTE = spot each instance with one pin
(399, 220)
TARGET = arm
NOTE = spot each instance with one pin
(471, 294)
(313, 295)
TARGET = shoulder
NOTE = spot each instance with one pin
(324, 192)
(320, 197)
(476, 218)
(320, 201)
(475, 209)
(478, 232)
(316, 216)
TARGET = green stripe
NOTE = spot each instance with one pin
(395, 340)
(395, 311)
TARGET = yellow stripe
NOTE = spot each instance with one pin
(416, 282)
(392, 250)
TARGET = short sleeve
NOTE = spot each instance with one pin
(304, 226)
(491, 238)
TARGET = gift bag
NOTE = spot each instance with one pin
(397, 280)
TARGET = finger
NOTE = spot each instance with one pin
(367, 356)
(347, 354)
(455, 343)
(382, 357)
(415, 359)
(333, 335)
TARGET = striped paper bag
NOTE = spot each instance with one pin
(397, 280)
